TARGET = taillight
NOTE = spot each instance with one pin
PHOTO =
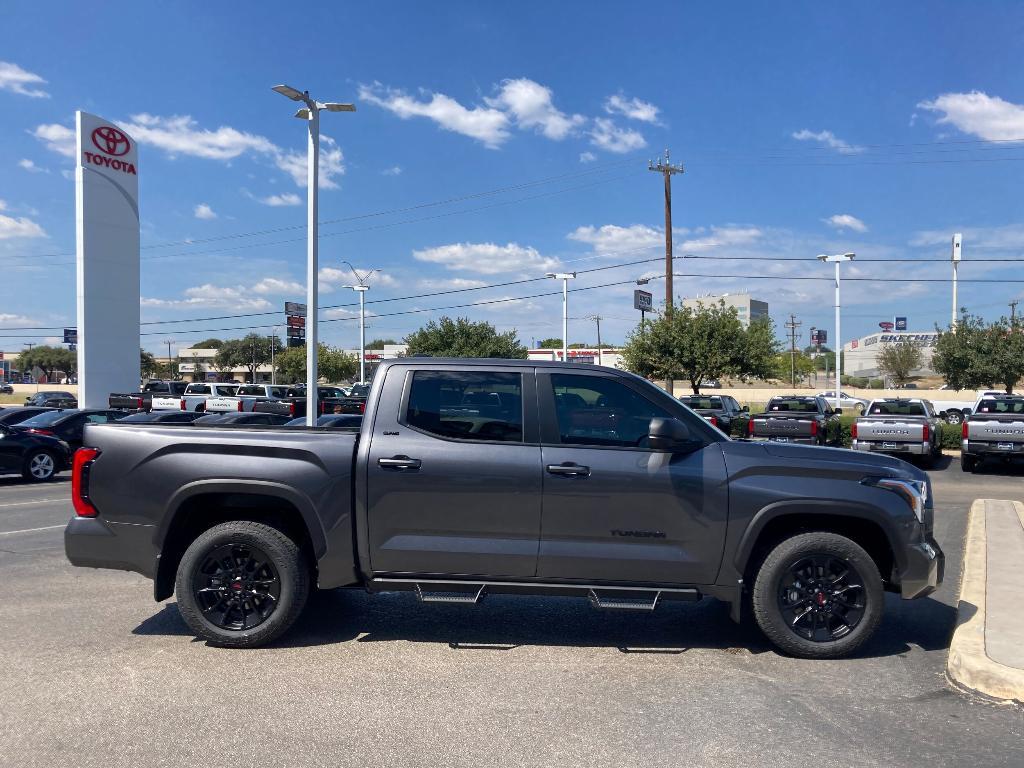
(814, 428)
(853, 431)
(963, 429)
(362, 407)
(713, 420)
(36, 431)
(240, 406)
(291, 409)
(750, 427)
(80, 471)
(183, 403)
(926, 433)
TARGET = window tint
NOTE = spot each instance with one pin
(897, 408)
(252, 389)
(467, 405)
(792, 404)
(197, 389)
(594, 410)
(1001, 406)
(99, 418)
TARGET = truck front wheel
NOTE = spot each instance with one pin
(818, 596)
(242, 584)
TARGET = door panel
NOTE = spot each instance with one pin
(458, 491)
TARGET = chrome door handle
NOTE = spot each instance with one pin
(571, 470)
(399, 462)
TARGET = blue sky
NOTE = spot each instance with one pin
(495, 142)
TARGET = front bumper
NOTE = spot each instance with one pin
(915, 449)
(91, 542)
(924, 571)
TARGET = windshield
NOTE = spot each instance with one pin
(703, 403)
(803, 404)
(897, 408)
(46, 419)
(360, 390)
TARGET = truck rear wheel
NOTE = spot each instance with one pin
(968, 463)
(818, 596)
(242, 584)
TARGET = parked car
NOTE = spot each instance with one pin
(12, 416)
(162, 417)
(333, 420)
(6, 388)
(143, 401)
(35, 456)
(195, 397)
(904, 427)
(479, 477)
(995, 430)
(266, 419)
(711, 384)
(847, 402)
(955, 411)
(720, 410)
(67, 425)
(329, 400)
(53, 399)
(797, 419)
(245, 397)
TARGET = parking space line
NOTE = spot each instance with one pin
(37, 501)
(32, 530)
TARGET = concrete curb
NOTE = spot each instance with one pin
(968, 665)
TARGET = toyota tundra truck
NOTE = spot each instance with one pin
(904, 427)
(470, 478)
(995, 430)
(804, 419)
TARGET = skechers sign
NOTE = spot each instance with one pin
(112, 144)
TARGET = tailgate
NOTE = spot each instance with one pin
(166, 403)
(996, 430)
(129, 402)
(773, 426)
(223, 404)
(891, 430)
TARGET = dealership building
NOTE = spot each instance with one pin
(861, 355)
(748, 309)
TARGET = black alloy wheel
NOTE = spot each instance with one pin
(236, 586)
(821, 597)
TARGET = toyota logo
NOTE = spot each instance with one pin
(110, 140)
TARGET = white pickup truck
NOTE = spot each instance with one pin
(994, 430)
(245, 397)
(954, 411)
(195, 397)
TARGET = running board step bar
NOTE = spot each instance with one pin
(460, 598)
(620, 604)
(471, 592)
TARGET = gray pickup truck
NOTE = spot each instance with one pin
(995, 430)
(901, 426)
(476, 477)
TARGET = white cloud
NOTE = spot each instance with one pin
(180, 135)
(277, 201)
(16, 80)
(828, 139)
(531, 106)
(587, 157)
(722, 236)
(608, 136)
(485, 124)
(1009, 237)
(634, 109)
(843, 221)
(277, 287)
(210, 296)
(613, 238)
(987, 117)
(487, 258)
(204, 211)
(11, 227)
(395, 170)
(31, 167)
(56, 137)
(333, 277)
(296, 164)
(454, 283)
(9, 319)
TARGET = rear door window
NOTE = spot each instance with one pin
(467, 405)
(197, 389)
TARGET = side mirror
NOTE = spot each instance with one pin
(667, 434)
(745, 409)
(837, 411)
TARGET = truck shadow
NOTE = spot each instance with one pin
(502, 623)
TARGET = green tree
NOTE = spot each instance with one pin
(978, 354)
(332, 364)
(50, 359)
(899, 360)
(379, 343)
(462, 338)
(700, 344)
(549, 344)
(784, 364)
(208, 344)
(147, 364)
(249, 353)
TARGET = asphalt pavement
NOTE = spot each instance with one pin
(97, 674)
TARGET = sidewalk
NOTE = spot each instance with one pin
(987, 651)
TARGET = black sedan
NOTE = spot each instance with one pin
(12, 416)
(67, 425)
(53, 399)
(162, 417)
(37, 457)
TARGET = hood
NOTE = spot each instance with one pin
(869, 464)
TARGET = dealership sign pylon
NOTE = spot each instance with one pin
(107, 233)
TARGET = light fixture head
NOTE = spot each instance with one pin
(302, 114)
(287, 90)
(333, 106)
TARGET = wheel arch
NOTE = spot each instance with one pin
(200, 506)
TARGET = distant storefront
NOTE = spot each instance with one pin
(861, 355)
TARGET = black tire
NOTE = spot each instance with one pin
(278, 588)
(769, 601)
(953, 417)
(968, 463)
(40, 466)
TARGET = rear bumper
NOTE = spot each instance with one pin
(795, 440)
(90, 542)
(915, 449)
(979, 448)
(924, 571)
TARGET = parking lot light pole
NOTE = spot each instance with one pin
(565, 277)
(362, 288)
(837, 260)
(311, 114)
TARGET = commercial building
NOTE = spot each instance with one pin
(611, 358)
(748, 309)
(861, 355)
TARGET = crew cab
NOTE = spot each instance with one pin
(143, 401)
(245, 397)
(195, 397)
(807, 419)
(995, 430)
(907, 427)
(721, 411)
(468, 478)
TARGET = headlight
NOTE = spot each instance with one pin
(914, 492)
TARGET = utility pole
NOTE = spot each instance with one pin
(792, 325)
(170, 371)
(666, 169)
(597, 319)
(957, 242)
(1013, 311)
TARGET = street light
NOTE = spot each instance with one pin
(837, 260)
(565, 277)
(361, 288)
(311, 114)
